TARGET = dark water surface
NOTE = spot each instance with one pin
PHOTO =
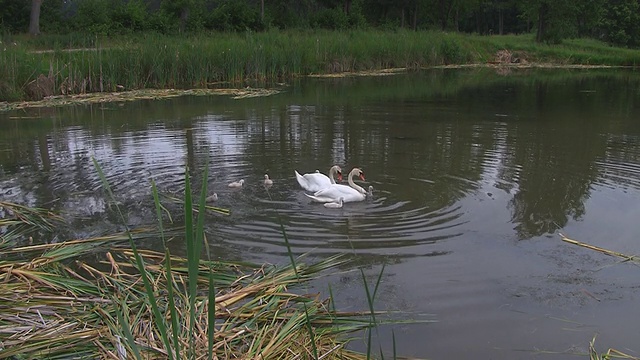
(474, 173)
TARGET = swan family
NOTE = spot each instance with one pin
(324, 188)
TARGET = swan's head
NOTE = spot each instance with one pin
(359, 173)
(266, 176)
(337, 170)
(241, 182)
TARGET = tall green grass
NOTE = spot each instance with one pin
(220, 59)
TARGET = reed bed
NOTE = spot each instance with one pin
(53, 308)
(151, 61)
(96, 298)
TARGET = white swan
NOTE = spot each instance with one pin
(236, 184)
(335, 205)
(317, 181)
(212, 198)
(349, 193)
(267, 181)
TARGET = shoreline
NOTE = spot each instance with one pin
(248, 92)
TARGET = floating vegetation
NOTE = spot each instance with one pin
(148, 94)
(610, 354)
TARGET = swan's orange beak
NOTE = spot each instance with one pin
(362, 177)
(339, 176)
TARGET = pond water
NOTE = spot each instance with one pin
(474, 175)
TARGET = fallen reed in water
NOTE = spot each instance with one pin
(611, 353)
(600, 249)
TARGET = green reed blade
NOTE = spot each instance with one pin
(156, 201)
(375, 289)
(175, 327)
(307, 322)
(286, 239)
(393, 339)
(211, 312)
(126, 329)
(160, 323)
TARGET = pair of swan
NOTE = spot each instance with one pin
(338, 193)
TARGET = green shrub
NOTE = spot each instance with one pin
(132, 16)
(93, 16)
(234, 16)
(621, 23)
(331, 19)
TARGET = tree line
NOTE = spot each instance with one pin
(615, 21)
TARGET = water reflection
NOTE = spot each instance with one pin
(430, 143)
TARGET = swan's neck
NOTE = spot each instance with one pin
(332, 172)
(354, 185)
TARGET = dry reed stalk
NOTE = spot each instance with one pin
(599, 249)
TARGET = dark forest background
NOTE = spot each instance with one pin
(614, 21)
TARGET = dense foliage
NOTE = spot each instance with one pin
(616, 21)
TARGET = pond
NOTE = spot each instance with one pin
(474, 173)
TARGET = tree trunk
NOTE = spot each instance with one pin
(184, 16)
(347, 6)
(262, 10)
(542, 21)
(445, 11)
(34, 19)
(415, 18)
(456, 19)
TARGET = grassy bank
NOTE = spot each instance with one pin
(222, 60)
